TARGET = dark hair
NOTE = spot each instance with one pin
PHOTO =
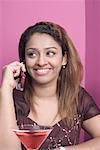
(43, 27)
(69, 78)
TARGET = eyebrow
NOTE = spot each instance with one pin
(44, 48)
(30, 49)
(51, 48)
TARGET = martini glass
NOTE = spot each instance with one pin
(32, 136)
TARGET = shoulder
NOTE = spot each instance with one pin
(84, 96)
(83, 92)
(86, 104)
(18, 94)
(21, 106)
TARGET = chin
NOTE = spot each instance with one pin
(44, 81)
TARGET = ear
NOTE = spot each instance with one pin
(64, 61)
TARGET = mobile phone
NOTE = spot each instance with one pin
(21, 81)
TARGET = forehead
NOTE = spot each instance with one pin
(41, 39)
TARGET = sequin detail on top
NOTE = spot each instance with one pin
(63, 137)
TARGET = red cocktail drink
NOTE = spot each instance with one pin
(32, 138)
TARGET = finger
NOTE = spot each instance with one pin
(15, 69)
(16, 72)
(15, 63)
(23, 67)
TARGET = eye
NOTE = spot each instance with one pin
(31, 54)
(50, 53)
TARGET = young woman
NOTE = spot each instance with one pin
(52, 95)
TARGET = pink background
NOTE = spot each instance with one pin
(92, 51)
(81, 19)
(19, 14)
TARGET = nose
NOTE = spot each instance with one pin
(42, 61)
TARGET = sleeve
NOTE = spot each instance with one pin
(87, 105)
(21, 107)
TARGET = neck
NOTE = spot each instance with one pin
(45, 91)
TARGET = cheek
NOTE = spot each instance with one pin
(29, 62)
(57, 62)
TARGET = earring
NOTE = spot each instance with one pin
(63, 66)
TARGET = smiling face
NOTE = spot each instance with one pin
(43, 58)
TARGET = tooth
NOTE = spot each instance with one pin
(42, 70)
